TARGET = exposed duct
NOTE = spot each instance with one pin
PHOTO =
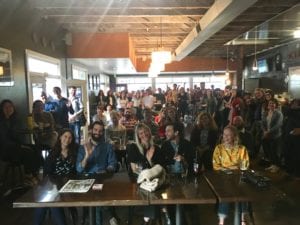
(217, 17)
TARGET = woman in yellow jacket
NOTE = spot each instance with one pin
(230, 155)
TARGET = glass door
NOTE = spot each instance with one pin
(37, 85)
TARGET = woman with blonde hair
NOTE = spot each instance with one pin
(144, 154)
(230, 155)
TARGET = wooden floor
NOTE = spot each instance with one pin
(282, 212)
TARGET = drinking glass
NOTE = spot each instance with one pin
(243, 165)
(139, 168)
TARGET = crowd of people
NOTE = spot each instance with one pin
(176, 128)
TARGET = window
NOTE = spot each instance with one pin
(44, 73)
(134, 84)
(219, 81)
(39, 65)
(78, 73)
(98, 81)
(164, 82)
(104, 82)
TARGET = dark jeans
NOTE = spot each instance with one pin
(257, 133)
(26, 155)
(292, 154)
(76, 128)
(99, 213)
(57, 215)
(223, 208)
(272, 151)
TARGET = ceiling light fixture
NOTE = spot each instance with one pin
(160, 57)
(254, 67)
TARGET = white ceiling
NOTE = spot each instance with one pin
(108, 65)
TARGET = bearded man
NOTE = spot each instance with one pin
(96, 155)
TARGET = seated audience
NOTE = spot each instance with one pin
(148, 99)
(100, 115)
(161, 122)
(116, 135)
(44, 126)
(122, 101)
(144, 154)
(245, 136)
(148, 120)
(13, 150)
(101, 99)
(111, 99)
(204, 137)
(94, 157)
(178, 154)
(129, 121)
(107, 112)
(60, 162)
(228, 156)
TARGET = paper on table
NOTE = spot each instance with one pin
(77, 186)
(97, 187)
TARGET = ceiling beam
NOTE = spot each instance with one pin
(217, 17)
(134, 11)
(126, 19)
(124, 4)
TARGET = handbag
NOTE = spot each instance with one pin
(82, 119)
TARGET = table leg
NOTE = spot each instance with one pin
(92, 215)
(237, 218)
(178, 214)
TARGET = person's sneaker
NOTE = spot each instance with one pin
(113, 221)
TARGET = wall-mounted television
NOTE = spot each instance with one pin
(262, 66)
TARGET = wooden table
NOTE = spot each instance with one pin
(118, 190)
(180, 191)
(231, 188)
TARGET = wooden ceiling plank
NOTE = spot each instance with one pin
(56, 12)
(126, 19)
(127, 4)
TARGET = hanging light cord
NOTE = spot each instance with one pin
(160, 32)
(227, 60)
(255, 44)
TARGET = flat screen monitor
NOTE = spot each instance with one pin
(262, 66)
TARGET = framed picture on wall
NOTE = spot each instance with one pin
(6, 76)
